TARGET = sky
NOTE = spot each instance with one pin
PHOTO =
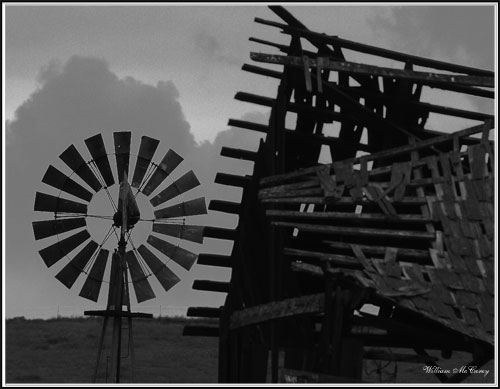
(171, 72)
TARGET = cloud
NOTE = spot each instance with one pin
(453, 33)
(208, 46)
(75, 100)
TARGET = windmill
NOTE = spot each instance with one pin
(89, 257)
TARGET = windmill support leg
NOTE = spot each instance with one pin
(99, 349)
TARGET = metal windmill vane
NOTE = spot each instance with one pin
(70, 219)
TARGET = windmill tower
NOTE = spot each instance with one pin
(87, 255)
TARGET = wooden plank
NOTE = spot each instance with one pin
(231, 152)
(232, 180)
(204, 312)
(385, 153)
(225, 206)
(261, 71)
(357, 68)
(220, 233)
(335, 260)
(352, 231)
(341, 201)
(277, 309)
(211, 286)
(385, 53)
(215, 260)
(383, 355)
(198, 330)
(380, 250)
(298, 215)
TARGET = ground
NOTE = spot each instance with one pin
(64, 351)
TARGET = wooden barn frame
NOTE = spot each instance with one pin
(402, 219)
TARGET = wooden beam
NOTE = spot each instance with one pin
(383, 355)
(198, 330)
(232, 180)
(225, 206)
(277, 309)
(219, 233)
(297, 215)
(215, 260)
(343, 201)
(414, 254)
(231, 152)
(357, 68)
(261, 71)
(385, 153)
(211, 286)
(204, 312)
(336, 260)
(362, 48)
(355, 231)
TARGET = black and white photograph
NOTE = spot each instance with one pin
(264, 194)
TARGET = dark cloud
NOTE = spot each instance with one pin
(78, 99)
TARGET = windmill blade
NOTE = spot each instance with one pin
(142, 288)
(182, 231)
(72, 270)
(147, 150)
(122, 152)
(59, 180)
(167, 165)
(46, 228)
(187, 208)
(92, 285)
(97, 150)
(165, 276)
(49, 203)
(55, 252)
(187, 182)
(181, 256)
(75, 161)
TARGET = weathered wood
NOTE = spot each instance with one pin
(211, 286)
(386, 153)
(225, 206)
(198, 330)
(407, 253)
(215, 260)
(219, 233)
(341, 201)
(385, 53)
(357, 68)
(238, 153)
(367, 217)
(335, 260)
(232, 180)
(353, 231)
(204, 312)
(261, 71)
(383, 355)
(277, 309)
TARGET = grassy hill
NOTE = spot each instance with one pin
(64, 351)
